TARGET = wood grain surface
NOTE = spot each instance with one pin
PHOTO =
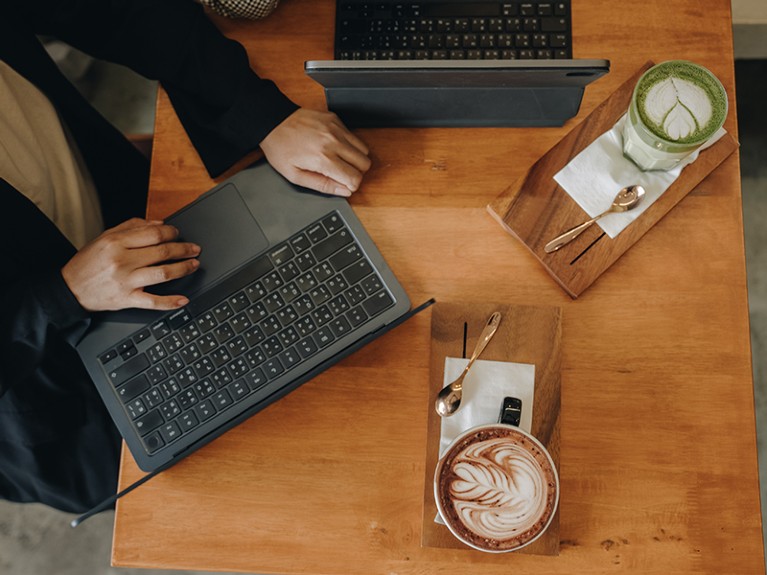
(658, 449)
(535, 209)
(526, 334)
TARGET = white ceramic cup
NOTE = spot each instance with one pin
(496, 488)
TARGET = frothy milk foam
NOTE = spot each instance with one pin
(498, 489)
(681, 102)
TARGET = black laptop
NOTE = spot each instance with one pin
(289, 284)
(454, 63)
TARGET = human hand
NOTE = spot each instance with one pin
(315, 150)
(111, 272)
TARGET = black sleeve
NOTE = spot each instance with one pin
(226, 109)
(34, 299)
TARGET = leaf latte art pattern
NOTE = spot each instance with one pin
(499, 490)
(679, 107)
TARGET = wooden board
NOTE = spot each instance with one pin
(535, 209)
(526, 335)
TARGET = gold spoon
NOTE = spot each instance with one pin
(627, 199)
(449, 398)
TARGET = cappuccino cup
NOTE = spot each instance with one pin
(496, 486)
(676, 107)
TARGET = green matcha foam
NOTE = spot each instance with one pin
(681, 102)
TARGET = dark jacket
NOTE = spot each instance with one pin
(57, 445)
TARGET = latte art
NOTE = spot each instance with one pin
(496, 488)
(499, 489)
(679, 107)
(681, 102)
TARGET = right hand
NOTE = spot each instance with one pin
(111, 272)
(315, 150)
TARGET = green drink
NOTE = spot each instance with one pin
(677, 106)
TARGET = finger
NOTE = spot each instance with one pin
(320, 183)
(165, 252)
(334, 167)
(351, 138)
(148, 235)
(354, 157)
(130, 224)
(143, 300)
(153, 275)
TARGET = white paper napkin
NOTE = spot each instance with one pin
(484, 388)
(597, 174)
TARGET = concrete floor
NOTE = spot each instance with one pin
(35, 540)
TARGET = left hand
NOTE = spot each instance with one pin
(315, 150)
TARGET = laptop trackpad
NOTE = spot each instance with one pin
(223, 226)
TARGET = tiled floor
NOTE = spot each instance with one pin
(35, 540)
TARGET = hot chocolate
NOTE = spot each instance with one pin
(497, 488)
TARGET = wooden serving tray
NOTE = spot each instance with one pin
(525, 335)
(535, 209)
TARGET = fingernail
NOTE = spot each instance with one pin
(345, 192)
(182, 301)
(195, 263)
(196, 249)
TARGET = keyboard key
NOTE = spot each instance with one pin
(222, 400)
(238, 302)
(108, 356)
(127, 350)
(157, 352)
(553, 25)
(170, 387)
(149, 422)
(152, 442)
(187, 399)
(132, 367)
(170, 431)
(188, 421)
(357, 271)
(136, 408)
(178, 318)
(333, 223)
(356, 316)
(170, 410)
(272, 368)
(300, 243)
(331, 245)
(141, 336)
(238, 389)
(307, 347)
(205, 410)
(377, 303)
(160, 329)
(255, 379)
(371, 284)
(340, 327)
(281, 255)
(324, 337)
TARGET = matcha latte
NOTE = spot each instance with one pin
(676, 107)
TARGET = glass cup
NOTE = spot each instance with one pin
(676, 107)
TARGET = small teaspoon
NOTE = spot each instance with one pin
(627, 199)
(449, 398)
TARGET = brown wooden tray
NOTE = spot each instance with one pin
(535, 209)
(526, 335)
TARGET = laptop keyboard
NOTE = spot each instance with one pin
(453, 30)
(260, 324)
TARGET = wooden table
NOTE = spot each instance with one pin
(658, 449)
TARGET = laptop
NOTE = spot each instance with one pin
(454, 63)
(289, 283)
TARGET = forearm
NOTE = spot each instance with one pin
(225, 107)
(33, 309)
